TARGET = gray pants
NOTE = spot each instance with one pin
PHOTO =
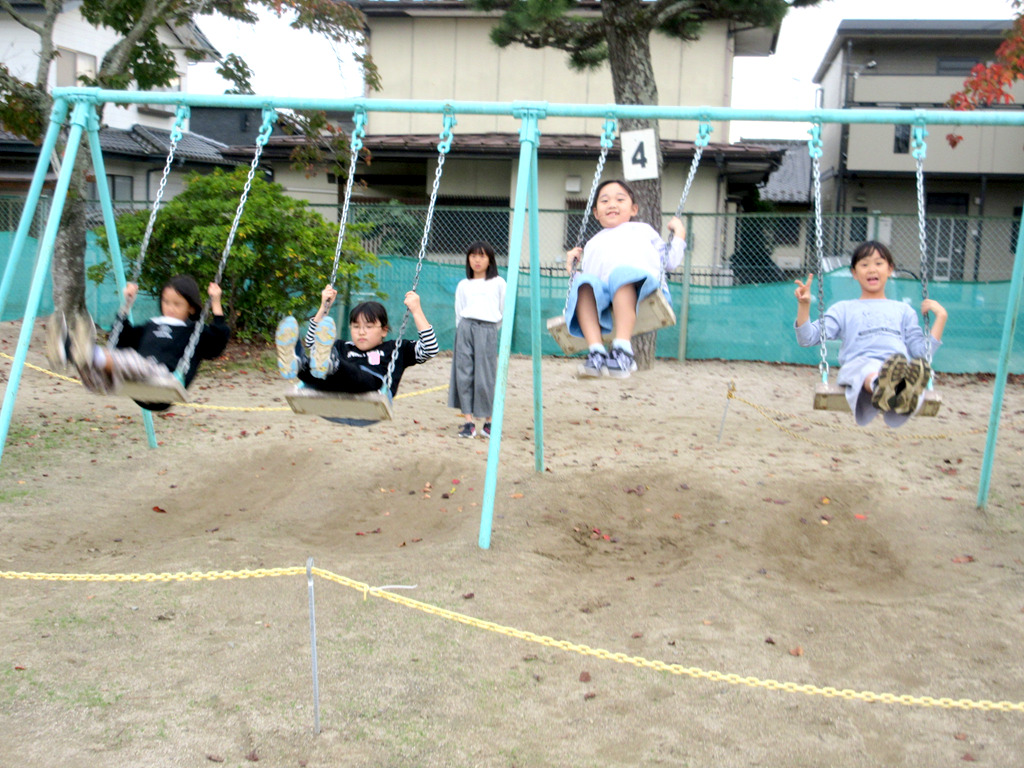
(474, 368)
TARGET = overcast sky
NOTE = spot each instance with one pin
(780, 81)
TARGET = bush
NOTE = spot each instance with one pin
(280, 260)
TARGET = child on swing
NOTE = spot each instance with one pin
(323, 362)
(479, 304)
(149, 352)
(622, 265)
(878, 335)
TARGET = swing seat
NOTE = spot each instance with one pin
(158, 389)
(652, 314)
(358, 409)
(832, 397)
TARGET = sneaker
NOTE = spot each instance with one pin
(57, 341)
(81, 341)
(287, 333)
(323, 344)
(468, 430)
(918, 373)
(889, 383)
(621, 364)
(486, 431)
(595, 365)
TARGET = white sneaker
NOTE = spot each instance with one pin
(595, 365)
(620, 364)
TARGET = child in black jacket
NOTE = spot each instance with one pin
(150, 352)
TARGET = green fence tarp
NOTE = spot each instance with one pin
(744, 322)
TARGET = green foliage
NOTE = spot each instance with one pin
(280, 260)
(23, 106)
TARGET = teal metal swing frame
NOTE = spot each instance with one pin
(81, 103)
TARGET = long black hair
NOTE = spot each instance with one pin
(482, 246)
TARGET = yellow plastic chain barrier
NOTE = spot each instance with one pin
(564, 645)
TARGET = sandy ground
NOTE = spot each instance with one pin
(796, 548)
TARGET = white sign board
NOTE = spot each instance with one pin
(639, 155)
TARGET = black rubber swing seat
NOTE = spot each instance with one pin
(832, 397)
(653, 313)
(348, 407)
(161, 389)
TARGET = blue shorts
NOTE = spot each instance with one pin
(645, 282)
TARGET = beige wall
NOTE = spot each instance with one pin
(454, 58)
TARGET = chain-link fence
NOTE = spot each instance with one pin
(738, 301)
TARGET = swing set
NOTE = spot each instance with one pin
(525, 214)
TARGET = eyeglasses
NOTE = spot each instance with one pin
(362, 327)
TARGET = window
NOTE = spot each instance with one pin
(72, 65)
(122, 188)
(859, 224)
(955, 66)
(1015, 228)
(573, 221)
(901, 140)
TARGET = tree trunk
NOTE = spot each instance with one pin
(68, 268)
(629, 58)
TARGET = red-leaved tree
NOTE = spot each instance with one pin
(989, 84)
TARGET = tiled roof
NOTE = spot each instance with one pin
(791, 181)
(141, 141)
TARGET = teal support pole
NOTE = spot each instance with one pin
(78, 121)
(529, 138)
(684, 302)
(1003, 369)
(57, 116)
(110, 222)
(537, 326)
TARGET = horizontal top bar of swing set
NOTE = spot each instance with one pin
(542, 109)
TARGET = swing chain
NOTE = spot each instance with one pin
(919, 152)
(355, 145)
(814, 147)
(608, 131)
(443, 146)
(269, 118)
(176, 134)
(702, 140)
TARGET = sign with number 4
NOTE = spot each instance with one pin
(639, 155)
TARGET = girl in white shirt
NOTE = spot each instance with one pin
(479, 305)
(621, 267)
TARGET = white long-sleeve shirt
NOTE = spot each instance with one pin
(632, 243)
(480, 300)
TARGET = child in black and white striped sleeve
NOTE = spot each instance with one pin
(323, 362)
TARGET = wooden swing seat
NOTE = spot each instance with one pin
(653, 313)
(357, 408)
(162, 389)
(832, 397)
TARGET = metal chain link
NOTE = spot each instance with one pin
(181, 116)
(442, 152)
(814, 147)
(607, 140)
(703, 139)
(269, 118)
(919, 152)
(355, 144)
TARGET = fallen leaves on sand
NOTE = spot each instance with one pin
(215, 758)
(960, 736)
(770, 640)
(366, 533)
(798, 651)
(638, 490)
(964, 559)
(468, 596)
(825, 500)
(161, 510)
(516, 496)
(584, 677)
(589, 695)
(770, 500)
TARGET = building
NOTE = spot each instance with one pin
(868, 170)
(135, 139)
(404, 39)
